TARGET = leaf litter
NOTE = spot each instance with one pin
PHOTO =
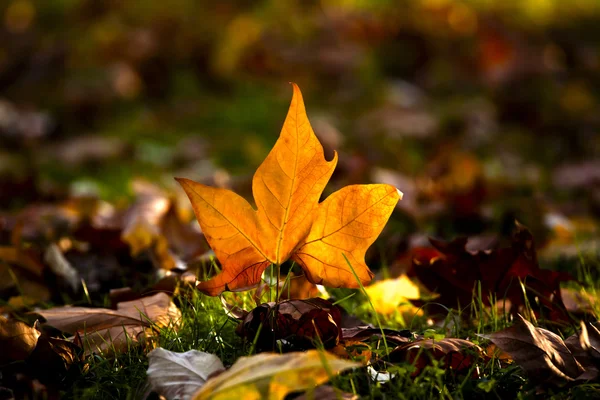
(328, 242)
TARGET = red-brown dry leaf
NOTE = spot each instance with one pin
(365, 333)
(302, 323)
(457, 354)
(453, 272)
(542, 354)
(104, 330)
(288, 221)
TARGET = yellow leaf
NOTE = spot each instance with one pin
(388, 295)
(273, 376)
(289, 221)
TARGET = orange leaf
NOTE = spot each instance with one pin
(289, 221)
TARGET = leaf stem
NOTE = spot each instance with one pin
(278, 272)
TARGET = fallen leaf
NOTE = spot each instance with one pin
(289, 221)
(585, 346)
(104, 330)
(153, 225)
(541, 353)
(302, 323)
(452, 271)
(46, 358)
(180, 375)
(365, 333)
(391, 295)
(590, 339)
(184, 240)
(142, 221)
(52, 358)
(454, 353)
(273, 376)
(17, 340)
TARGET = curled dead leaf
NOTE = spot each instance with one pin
(301, 323)
(17, 340)
(541, 353)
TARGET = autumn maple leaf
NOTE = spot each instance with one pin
(289, 222)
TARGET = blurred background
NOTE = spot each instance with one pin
(480, 111)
